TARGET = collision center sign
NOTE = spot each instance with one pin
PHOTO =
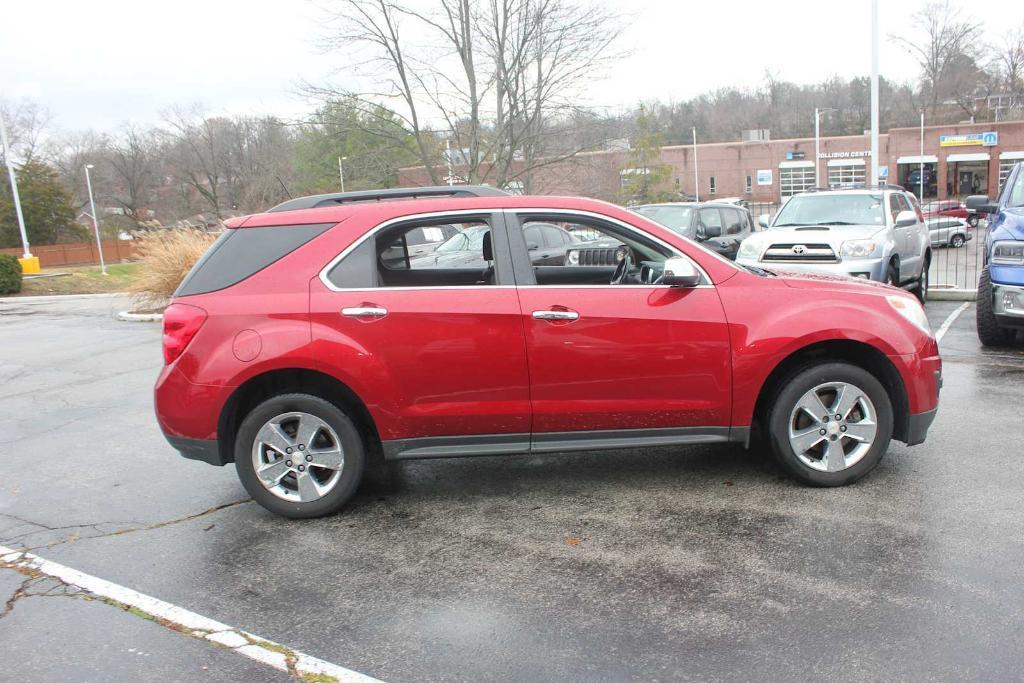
(990, 139)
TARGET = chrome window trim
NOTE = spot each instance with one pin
(706, 279)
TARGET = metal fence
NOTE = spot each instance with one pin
(958, 267)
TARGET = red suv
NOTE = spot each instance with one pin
(308, 343)
(951, 209)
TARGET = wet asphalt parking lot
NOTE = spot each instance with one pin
(663, 564)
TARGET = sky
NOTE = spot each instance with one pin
(103, 63)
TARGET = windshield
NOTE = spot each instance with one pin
(832, 209)
(467, 240)
(675, 218)
(1017, 191)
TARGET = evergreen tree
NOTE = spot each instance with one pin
(46, 205)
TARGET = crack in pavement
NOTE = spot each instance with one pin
(61, 581)
(120, 532)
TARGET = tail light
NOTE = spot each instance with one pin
(181, 322)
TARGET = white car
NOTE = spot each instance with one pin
(949, 231)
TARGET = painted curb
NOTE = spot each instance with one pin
(938, 294)
(129, 317)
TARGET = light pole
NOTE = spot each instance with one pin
(921, 191)
(696, 181)
(874, 92)
(14, 190)
(341, 172)
(817, 142)
(95, 221)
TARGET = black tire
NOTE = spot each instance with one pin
(957, 241)
(973, 221)
(785, 400)
(353, 447)
(989, 331)
(892, 276)
(921, 290)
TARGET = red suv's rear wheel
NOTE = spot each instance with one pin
(299, 456)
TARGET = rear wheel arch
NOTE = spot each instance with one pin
(290, 381)
(840, 350)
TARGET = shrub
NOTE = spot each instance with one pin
(167, 256)
(10, 274)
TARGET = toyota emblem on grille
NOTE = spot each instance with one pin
(799, 249)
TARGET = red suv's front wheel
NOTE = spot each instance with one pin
(299, 456)
(830, 424)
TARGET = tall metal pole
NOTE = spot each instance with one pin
(817, 147)
(921, 190)
(341, 173)
(95, 221)
(696, 177)
(448, 156)
(14, 190)
(874, 92)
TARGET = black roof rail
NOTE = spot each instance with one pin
(336, 199)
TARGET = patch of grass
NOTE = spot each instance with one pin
(82, 280)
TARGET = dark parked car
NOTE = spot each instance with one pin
(718, 226)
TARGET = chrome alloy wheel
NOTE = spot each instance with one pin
(832, 426)
(298, 457)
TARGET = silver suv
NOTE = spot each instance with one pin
(874, 234)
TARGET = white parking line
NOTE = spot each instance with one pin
(944, 328)
(246, 644)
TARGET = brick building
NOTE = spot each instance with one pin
(958, 160)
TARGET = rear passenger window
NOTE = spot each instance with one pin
(240, 253)
(413, 256)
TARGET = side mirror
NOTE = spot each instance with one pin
(979, 203)
(532, 246)
(764, 220)
(905, 219)
(680, 272)
(714, 231)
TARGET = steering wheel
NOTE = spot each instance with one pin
(624, 268)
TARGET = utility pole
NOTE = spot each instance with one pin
(95, 220)
(341, 172)
(921, 191)
(14, 190)
(817, 143)
(696, 177)
(874, 92)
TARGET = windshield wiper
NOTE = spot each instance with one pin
(837, 223)
(790, 225)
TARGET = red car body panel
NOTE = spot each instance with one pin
(638, 358)
(473, 360)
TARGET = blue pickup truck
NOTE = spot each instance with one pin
(1001, 283)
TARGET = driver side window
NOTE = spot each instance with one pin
(581, 251)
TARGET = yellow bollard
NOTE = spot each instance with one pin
(30, 265)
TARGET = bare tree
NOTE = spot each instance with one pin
(1011, 61)
(499, 77)
(944, 50)
(26, 122)
(132, 159)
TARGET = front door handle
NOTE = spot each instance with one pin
(556, 315)
(364, 312)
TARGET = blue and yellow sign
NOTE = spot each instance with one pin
(990, 139)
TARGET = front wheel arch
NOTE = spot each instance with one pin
(844, 350)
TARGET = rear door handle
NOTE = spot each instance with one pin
(371, 312)
(556, 315)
